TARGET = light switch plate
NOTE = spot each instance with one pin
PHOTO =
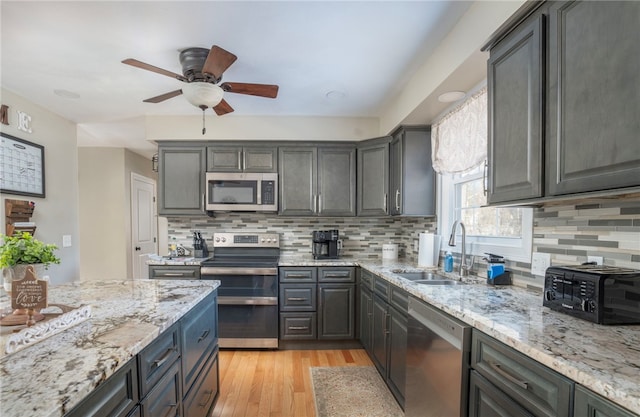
(539, 263)
(66, 241)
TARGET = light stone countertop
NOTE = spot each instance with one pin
(50, 377)
(605, 359)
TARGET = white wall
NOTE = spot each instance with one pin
(105, 206)
(56, 214)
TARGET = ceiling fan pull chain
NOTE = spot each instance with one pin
(204, 129)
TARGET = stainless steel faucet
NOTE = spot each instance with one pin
(464, 268)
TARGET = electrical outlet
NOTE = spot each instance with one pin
(540, 262)
(599, 260)
(66, 241)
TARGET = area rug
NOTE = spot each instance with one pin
(352, 391)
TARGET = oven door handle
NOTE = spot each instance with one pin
(209, 270)
(260, 301)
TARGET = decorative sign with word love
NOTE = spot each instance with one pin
(29, 293)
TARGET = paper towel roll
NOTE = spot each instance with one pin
(428, 249)
(390, 251)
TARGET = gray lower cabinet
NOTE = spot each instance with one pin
(174, 271)
(164, 399)
(563, 101)
(373, 177)
(411, 176)
(317, 303)
(589, 404)
(116, 397)
(485, 400)
(365, 310)
(227, 158)
(317, 181)
(532, 386)
(181, 179)
(389, 335)
(176, 375)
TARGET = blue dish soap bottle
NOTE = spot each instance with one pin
(448, 262)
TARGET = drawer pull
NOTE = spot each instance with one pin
(336, 275)
(173, 274)
(203, 336)
(208, 394)
(496, 367)
(296, 299)
(297, 276)
(298, 327)
(159, 362)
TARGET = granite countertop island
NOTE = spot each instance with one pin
(50, 377)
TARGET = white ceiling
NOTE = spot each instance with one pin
(367, 50)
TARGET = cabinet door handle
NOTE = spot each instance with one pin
(314, 204)
(203, 336)
(398, 200)
(496, 367)
(159, 362)
(208, 394)
(298, 327)
(319, 203)
(296, 299)
(384, 202)
(386, 324)
(240, 160)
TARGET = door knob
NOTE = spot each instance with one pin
(138, 248)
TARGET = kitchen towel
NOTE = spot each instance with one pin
(428, 249)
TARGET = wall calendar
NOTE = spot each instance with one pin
(21, 167)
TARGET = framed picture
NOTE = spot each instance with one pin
(21, 167)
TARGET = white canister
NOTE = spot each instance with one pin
(390, 251)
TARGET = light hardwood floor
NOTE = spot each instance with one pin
(275, 383)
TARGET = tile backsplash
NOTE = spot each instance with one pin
(362, 236)
(568, 232)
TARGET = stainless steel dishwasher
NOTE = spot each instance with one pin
(438, 349)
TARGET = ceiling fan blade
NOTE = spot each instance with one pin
(260, 90)
(222, 108)
(163, 97)
(218, 61)
(148, 67)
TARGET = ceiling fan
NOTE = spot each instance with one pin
(202, 72)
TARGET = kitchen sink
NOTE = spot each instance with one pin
(422, 276)
(438, 282)
(427, 278)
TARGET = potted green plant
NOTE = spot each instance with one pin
(21, 250)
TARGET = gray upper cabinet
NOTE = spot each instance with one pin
(317, 181)
(373, 177)
(563, 89)
(515, 88)
(412, 178)
(181, 180)
(223, 158)
(594, 96)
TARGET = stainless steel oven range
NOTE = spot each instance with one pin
(246, 264)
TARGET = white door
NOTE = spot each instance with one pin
(143, 224)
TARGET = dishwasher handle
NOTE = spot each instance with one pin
(450, 329)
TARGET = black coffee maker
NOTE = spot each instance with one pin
(325, 244)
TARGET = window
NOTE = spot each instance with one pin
(503, 231)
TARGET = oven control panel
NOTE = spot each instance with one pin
(246, 240)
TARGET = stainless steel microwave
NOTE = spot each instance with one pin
(241, 191)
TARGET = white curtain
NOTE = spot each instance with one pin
(459, 139)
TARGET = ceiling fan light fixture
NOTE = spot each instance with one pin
(202, 94)
(451, 96)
